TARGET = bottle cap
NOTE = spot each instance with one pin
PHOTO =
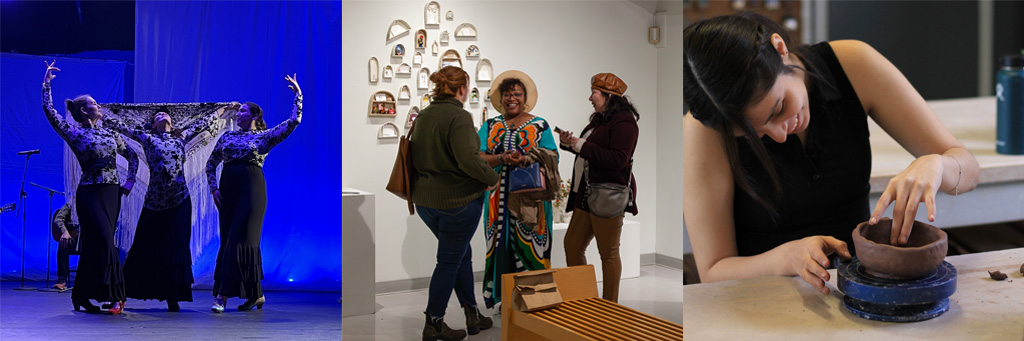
(1012, 60)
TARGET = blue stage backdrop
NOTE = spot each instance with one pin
(23, 126)
(215, 52)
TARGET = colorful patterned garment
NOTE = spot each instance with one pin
(96, 148)
(512, 246)
(165, 155)
(250, 146)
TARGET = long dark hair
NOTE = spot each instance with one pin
(257, 115)
(614, 104)
(731, 63)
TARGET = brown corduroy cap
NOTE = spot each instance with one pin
(609, 83)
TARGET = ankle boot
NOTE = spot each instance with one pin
(475, 321)
(434, 330)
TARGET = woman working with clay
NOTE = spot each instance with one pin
(777, 151)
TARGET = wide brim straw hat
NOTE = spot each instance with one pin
(531, 90)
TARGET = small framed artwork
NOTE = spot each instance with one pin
(404, 93)
(450, 58)
(388, 72)
(398, 51)
(432, 14)
(388, 130)
(423, 80)
(425, 101)
(472, 51)
(450, 16)
(444, 37)
(404, 69)
(382, 103)
(484, 70)
(417, 59)
(397, 29)
(433, 48)
(374, 69)
(413, 112)
(474, 96)
(653, 35)
(465, 30)
(421, 39)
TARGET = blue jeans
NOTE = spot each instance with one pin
(454, 228)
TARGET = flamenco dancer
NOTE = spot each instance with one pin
(98, 198)
(159, 264)
(242, 200)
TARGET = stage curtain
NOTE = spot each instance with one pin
(240, 51)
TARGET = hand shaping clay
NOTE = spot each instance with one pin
(924, 252)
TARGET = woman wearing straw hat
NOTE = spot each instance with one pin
(604, 155)
(515, 242)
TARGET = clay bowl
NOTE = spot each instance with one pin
(924, 252)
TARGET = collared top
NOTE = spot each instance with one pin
(825, 183)
(165, 156)
(96, 148)
(250, 146)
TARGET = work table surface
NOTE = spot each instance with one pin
(972, 121)
(787, 308)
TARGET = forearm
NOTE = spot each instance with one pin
(960, 171)
(492, 160)
(769, 263)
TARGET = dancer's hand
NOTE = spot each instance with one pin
(49, 71)
(65, 239)
(293, 84)
(127, 188)
(216, 198)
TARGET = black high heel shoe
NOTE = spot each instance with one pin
(173, 306)
(249, 303)
(89, 307)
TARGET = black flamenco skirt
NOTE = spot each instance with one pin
(159, 265)
(243, 204)
(99, 264)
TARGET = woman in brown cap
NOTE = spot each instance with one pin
(603, 188)
(518, 235)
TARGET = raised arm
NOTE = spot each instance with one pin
(133, 163)
(708, 213)
(117, 125)
(59, 124)
(942, 162)
(202, 125)
(278, 133)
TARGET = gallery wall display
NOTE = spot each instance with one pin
(472, 51)
(388, 130)
(465, 30)
(450, 16)
(397, 29)
(423, 80)
(374, 68)
(421, 39)
(450, 58)
(388, 72)
(444, 37)
(425, 101)
(484, 70)
(382, 103)
(417, 59)
(474, 96)
(433, 48)
(404, 93)
(432, 14)
(413, 112)
(398, 51)
(404, 69)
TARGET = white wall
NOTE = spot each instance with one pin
(670, 230)
(559, 44)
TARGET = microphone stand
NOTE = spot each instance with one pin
(22, 201)
(52, 192)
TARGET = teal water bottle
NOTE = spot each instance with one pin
(1010, 106)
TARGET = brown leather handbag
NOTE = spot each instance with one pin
(403, 173)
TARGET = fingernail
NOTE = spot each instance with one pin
(872, 221)
(931, 217)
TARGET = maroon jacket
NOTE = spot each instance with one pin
(609, 149)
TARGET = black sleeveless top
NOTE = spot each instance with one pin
(825, 183)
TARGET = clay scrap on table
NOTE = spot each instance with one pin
(1022, 269)
(996, 275)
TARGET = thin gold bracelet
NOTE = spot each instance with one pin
(956, 188)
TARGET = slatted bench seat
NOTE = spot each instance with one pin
(583, 315)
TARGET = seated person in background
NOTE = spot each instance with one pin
(68, 244)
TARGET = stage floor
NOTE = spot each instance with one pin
(36, 315)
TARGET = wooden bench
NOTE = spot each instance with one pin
(583, 315)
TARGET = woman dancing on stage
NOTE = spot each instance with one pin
(243, 201)
(98, 197)
(159, 264)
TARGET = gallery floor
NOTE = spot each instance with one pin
(658, 291)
